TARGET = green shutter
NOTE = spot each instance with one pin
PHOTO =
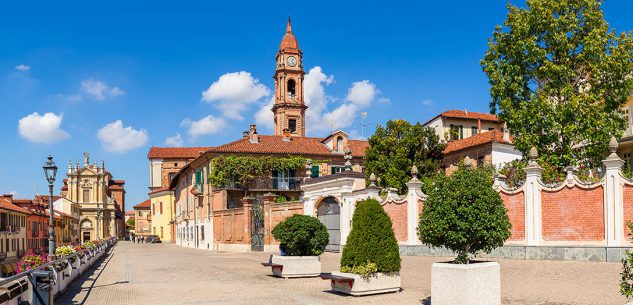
(275, 180)
(315, 171)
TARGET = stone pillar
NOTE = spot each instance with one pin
(246, 205)
(614, 202)
(533, 214)
(347, 211)
(268, 200)
(414, 190)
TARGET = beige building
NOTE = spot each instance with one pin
(143, 218)
(100, 197)
(480, 136)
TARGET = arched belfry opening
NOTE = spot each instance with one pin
(291, 87)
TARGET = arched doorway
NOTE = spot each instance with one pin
(86, 228)
(329, 213)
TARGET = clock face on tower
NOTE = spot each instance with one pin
(292, 61)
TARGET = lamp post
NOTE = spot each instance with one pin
(50, 170)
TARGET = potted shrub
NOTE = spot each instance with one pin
(303, 238)
(370, 263)
(465, 214)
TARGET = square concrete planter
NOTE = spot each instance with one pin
(354, 284)
(296, 266)
(478, 283)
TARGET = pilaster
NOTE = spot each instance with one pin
(533, 213)
(613, 197)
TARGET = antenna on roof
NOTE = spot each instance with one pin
(363, 124)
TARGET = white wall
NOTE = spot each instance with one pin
(155, 167)
(504, 153)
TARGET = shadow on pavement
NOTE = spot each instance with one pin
(77, 287)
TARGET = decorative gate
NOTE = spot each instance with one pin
(257, 224)
(329, 213)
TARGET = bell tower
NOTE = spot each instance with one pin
(289, 108)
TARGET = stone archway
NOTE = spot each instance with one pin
(329, 213)
(86, 230)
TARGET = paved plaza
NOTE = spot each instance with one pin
(167, 274)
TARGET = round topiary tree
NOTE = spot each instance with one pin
(371, 245)
(465, 214)
(301, 235)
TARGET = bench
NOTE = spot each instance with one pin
(337, 278)
(275, 267)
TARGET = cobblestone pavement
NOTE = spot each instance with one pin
(167, 274)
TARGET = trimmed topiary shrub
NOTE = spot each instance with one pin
(371, 245)
(465, 214)
(301, 235)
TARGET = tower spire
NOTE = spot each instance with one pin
(288, 26)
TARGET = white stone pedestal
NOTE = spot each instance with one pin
(296, 266)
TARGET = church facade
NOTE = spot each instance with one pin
(100, 197)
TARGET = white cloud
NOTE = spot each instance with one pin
(42, 128)
(317, 101)
(362, 93)
(341, 117)
(205, 126)
(99, 90)
(234, 92)
(264, 116)
(427, 102)
(22, 67)
(175, 141)
(116, 138)
(384, 100)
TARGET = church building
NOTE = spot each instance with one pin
(100, 197)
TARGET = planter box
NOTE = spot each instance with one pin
(353, 284)
(472, 284)
(296, 266)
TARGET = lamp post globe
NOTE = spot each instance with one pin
(50, 170)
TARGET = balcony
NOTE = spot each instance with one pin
(268, 184)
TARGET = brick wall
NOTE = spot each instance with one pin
(515, 204)
(229, 226)
(398, 214)
(627, 194)
(274, 213)
(573, 214)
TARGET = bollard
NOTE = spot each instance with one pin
(42, 287)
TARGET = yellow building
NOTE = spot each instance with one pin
(162, 211)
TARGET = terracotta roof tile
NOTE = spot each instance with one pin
(8, 205)
(296, 146)
(159, 190)
(493, 136)
(175, 152)
(115, 187)
(144, 204)
(461, 114)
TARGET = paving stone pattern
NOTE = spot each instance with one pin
(162, 274)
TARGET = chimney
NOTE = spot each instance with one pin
(245, 135)
(466, 111)
(286, 135)
(506, 133)
(252, 134)
(7, 196)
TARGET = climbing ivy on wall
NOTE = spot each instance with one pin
(241, 170)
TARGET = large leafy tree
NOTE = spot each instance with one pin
(558, 77)
(395, 148)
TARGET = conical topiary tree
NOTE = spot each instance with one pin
(465, 214)
(371, 245)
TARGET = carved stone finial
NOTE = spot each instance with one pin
(86, 159)
(414, 171)
(613, 145)
(372, 179)
(468, 162)
(533, 153)
(308, 168)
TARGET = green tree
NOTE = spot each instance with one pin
(464, 214)
(130, 222)
(558, 77)
(371, 241)
(302, 235)
(395, 148)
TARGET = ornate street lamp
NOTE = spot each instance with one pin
(50, 170)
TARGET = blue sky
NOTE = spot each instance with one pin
(116, 78)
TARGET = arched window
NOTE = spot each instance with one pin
(339, 144)
(291, 87)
